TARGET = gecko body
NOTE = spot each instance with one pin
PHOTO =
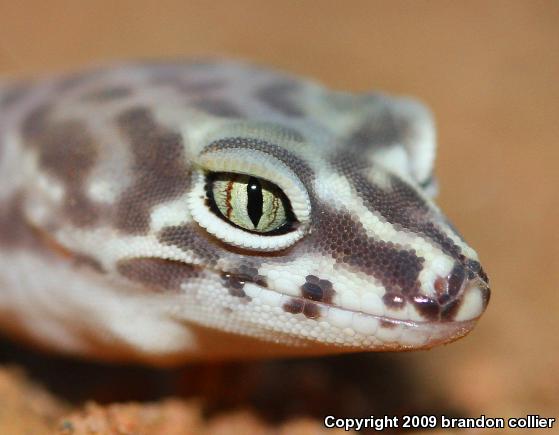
(173, 211)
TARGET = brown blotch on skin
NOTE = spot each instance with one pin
(401, 205)
(68, 152)
(81, 211)
(387, 324)
(279, 96)
(16, 233)
(294, 306)
(427, 307)
(156, 273)
(297, 306)
(35, 123)
(316, 289)
(449, 310)
(234, 284)
(14, 230)
(380, 130)
(160, 169)
(394, 300)
(235, 281)
(190, 237)
(340, 235)
(311, 311)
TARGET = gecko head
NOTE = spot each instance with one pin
(329, 249)
(304, 227)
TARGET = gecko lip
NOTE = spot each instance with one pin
(377, 332)
(450, 313)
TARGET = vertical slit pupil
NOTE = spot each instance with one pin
(255, 200)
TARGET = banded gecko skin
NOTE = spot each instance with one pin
(174, 211)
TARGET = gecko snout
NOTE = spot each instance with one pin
(464, 293)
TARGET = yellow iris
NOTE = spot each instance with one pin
(249, 202)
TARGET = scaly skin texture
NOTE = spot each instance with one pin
(113, 245)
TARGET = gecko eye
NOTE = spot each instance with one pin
(250, 203)
(248, 199)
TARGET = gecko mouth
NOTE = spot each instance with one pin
(360, 329)
(323, 321)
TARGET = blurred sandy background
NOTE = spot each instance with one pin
(489, 71)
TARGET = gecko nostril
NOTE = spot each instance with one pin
(460, 277)
(474, 270)
(453, 285)
(463, 294)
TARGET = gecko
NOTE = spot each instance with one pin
(171, 211)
